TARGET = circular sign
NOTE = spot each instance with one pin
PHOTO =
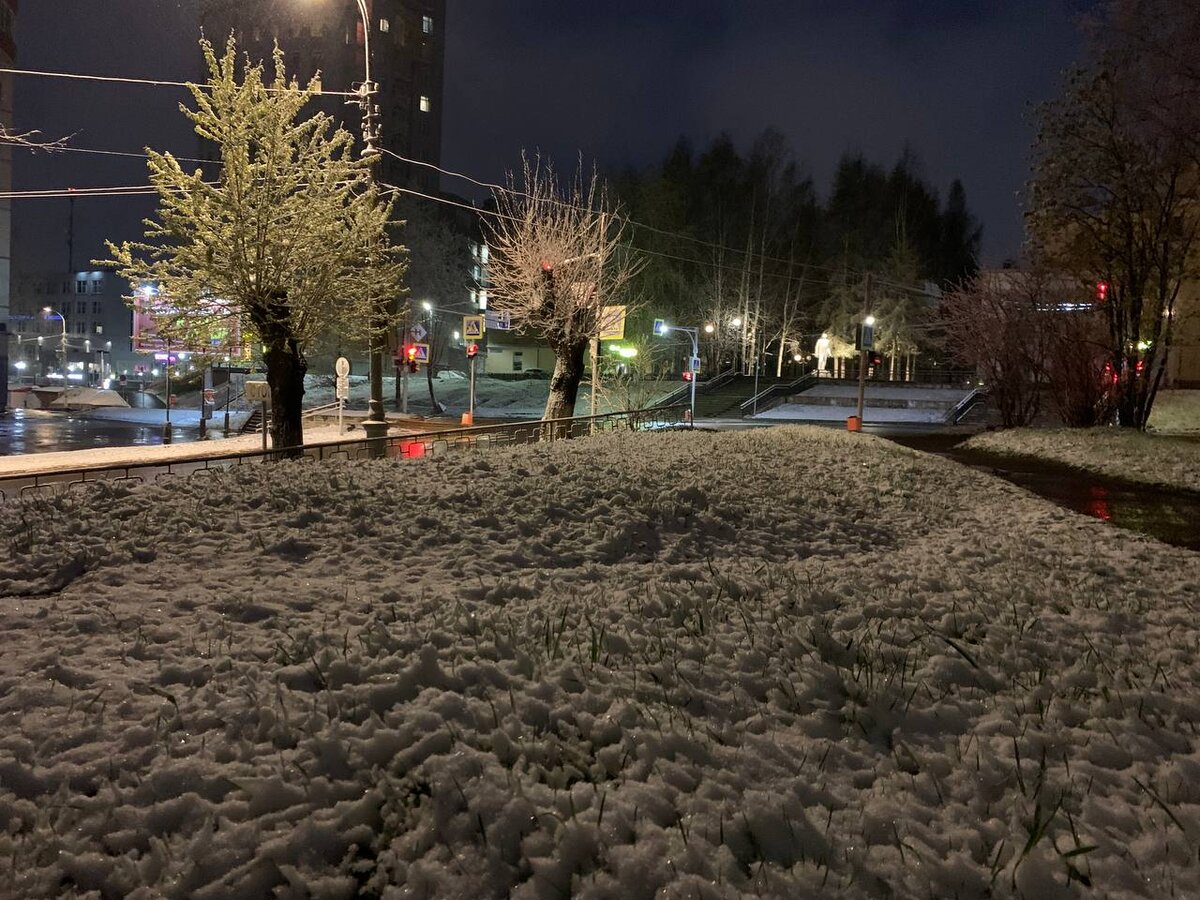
(342, 366)
(210, 396)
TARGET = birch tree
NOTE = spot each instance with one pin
(557, 261)
(286, 243)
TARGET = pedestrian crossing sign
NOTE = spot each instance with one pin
(472, 327)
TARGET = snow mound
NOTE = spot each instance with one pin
(783, 663)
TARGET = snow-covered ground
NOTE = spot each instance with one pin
(1176, 412)
(786, 663)
(1116, 452)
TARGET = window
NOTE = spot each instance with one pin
(99, 328)
(385, 26)
(425, 104)
(81, 287)
(518, 360)
(97, 307)
(81, 307)
(80, 328)
(427, 24)
(97, 287)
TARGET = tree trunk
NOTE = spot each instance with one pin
(286, 367)
(564, 383)
(437, 407)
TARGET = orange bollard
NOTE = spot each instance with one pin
(468, 419)
(854, 423)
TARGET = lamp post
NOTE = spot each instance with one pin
(865, 340)
(375, 425)
(50, 311)
(692, 331)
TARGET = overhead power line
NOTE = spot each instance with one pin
(149, 82)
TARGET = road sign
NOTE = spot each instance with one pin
(472, 327)
(257, 392)
(865, 337)
(422, 354)
(660, 327)
(418, 332)
(342, 390)
(342, 367)
(696, 365)
(497, 321)
(612, 323)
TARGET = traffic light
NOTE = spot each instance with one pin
(472, 351)
(410, 354)
(687, 375)
(875, 358)
(1102, 291)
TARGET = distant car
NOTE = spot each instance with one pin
(535, 373)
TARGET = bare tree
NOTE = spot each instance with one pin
(31, 140)
(1115, 197)
(557, 261)
(991, 323)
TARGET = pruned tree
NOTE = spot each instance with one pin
(287, 242)
(557, 261)
(1115, 197)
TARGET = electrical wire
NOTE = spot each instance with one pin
(151, 82)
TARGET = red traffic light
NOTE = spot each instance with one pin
(472, 351)
(687, 376)
(875, 358)
(410, 353)
(1102, 291)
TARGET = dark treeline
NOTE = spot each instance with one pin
(772, 264)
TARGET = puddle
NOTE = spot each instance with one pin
(1168, 514)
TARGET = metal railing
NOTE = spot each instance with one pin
(964, 406)
(778, 391)
(402, 447)
(681, 394)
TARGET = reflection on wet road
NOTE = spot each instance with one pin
(35, 431)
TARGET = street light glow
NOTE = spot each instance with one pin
(709, 328)
(735, 322)
(869, 320)
(427, 306)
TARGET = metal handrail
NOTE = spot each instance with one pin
(681, 394)
(964, 406)
(778, 389)
(319, 410)
(407, 446)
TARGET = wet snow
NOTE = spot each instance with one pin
(784, 663)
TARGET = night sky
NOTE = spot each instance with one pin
(619, 80)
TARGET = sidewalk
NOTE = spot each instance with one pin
(108, 457)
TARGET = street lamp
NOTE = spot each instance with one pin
(692, 331)
(49, 311)
(375, 425)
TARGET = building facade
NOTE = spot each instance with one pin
(8, 55)
(71, 328)
(326, 37)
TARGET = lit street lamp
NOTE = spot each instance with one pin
(692, 331)
(49, 311)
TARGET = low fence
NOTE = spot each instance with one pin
(403, 447)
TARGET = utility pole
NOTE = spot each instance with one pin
(865, 333)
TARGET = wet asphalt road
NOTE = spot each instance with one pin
(34, 431)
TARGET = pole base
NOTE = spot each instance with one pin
(166, 433)
(854, 423)
(468, 419)
(375, 428)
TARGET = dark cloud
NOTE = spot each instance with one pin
(617, 81)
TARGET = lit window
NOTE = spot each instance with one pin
(99, 328)
(425, 104)
(427, 24)
(385, 26)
